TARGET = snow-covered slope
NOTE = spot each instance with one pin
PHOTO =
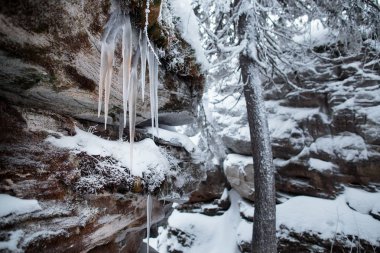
(345, 222)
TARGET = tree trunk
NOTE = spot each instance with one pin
(264, 226)
(264, 221)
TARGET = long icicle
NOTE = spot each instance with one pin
(103, 71)
(108, 80)
(132, 98)
(143, 48)
(148, 219)
(151, 84)
(127, 58)
(106, 62)
(155, 81)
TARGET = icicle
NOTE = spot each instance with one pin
(132, 98)
(127, 58)
(148, 219)
(121, 126)
(103, 71)
(105, 80)
(155, 81)
(108, 80)
(151, 84)
(106, 62)
(143, 48)
(132, 114)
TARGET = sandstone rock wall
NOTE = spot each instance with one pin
(324, 135)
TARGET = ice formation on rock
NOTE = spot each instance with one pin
(148, 219)
(132, 78)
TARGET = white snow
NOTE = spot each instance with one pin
(215, 234)
(11, 244)
(229, 114)
(146, 154)
(173, 138)
(373, 113)
(237, 160)
(323, 217)
(189, 28)
(313, 32)
(328, 218)
(363, 201)
(246, 209)
(347, 146)
(224, 195)
(12, 205)
(244, 231)
(321, 165)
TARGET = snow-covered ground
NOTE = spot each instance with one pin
(215, 234)
(348, 214)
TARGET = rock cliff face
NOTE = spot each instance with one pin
(50, 55)
(69, 220)
(50, 59)
(323, 135)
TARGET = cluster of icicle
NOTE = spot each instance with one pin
(133, 55)
(132, 79)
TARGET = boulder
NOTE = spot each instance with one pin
(239, 173)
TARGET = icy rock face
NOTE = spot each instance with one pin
(67, 214)
(50, 57)
(323, 135)
(87, 197)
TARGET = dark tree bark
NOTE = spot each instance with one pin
(264, 225)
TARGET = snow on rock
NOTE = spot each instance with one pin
(363, 201)
(209, 234)
(246, 210)
(314, 33)
(238, 160)
(11, 244)
(229, 113)
(346, 146)
(12, 205)
(174, 138)
(147, 156)
(373, 113)
(347, 215)
(239, 172)
(327, 218)
(189, 27)
(320, 165)
(244, 234)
